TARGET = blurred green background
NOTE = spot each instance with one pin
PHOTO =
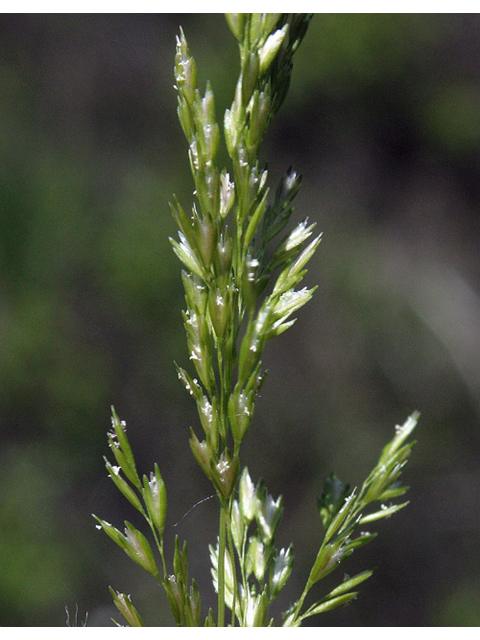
(383, 121)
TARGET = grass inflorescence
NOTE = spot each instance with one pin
(242, 268)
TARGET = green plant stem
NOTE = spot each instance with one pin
(159, 543)
(300, 602)
(222, 545)
(232, 555)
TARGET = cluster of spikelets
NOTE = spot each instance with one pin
(263, 570)
(241, 282)
(224, 243)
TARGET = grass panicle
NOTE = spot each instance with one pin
(242, 272)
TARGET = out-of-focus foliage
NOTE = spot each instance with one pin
(383, 122)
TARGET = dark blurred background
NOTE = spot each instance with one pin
(383, 121)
